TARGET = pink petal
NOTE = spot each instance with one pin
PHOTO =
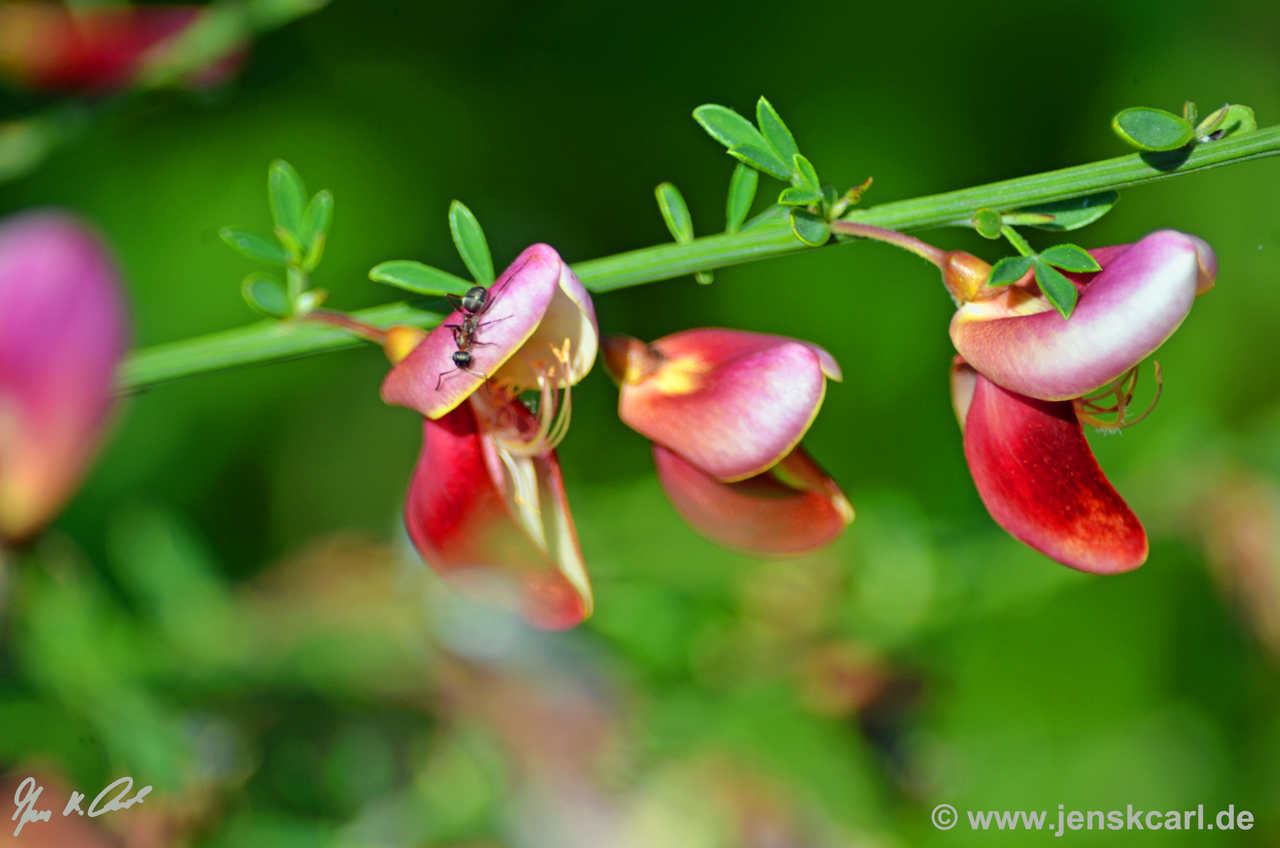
(730, 402)
(517, 302)
(791, 509)
(1039, 480)
(570, 319)
(462, 525)
(1124, 313)
(62, 332)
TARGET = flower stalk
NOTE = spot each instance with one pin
(276, 341)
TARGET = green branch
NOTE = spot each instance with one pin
(273, 341)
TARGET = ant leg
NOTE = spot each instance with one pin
(440, 379)
(455, 299)
(495, 321)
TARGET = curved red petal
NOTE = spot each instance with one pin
(461, 526)
(731, 402)
(1040, 481)
(762, 514)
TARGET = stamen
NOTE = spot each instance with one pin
(551, 412)
(1088, 409)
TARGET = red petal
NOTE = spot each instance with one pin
(461, 526)
(762, 514)
(1040, 481)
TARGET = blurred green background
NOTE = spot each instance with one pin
(229, 609)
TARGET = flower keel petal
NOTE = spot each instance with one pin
(1040, 481)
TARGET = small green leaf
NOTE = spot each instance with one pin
(799, 196)
(704, 278)
(773, 216)
(1066, 214)
(1152, 129)
(1009, 270)
(774, 131)
(316, 220)
(1239, 120)
(254, 246)
(809, 228)
(675, 212)
(469, 239)
(291, 246)
(287, 195)
(829, 195)
(314, 252)
(265, 294)
(761, 159)
(1212, 121)
(1059, 290)
(742, 191)
(727, 126)
(806, 171)
(988, 223)
(418, 278)
(1069, 257)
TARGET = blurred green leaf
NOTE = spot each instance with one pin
(1239, 120)
(762, 159)
(799, 196)
(316, 220)
(1066, 214)
(704, 278)
(1060, 291)
(728, 127)
(469, 239)
(809, 228)
(806, 171)
(774, 131)
(265, 294)
(314, 252)
(287, 196)
(742, 191)
(674, 212)
(418, 278)
(1152, 129)
(1070, 257)
(254, 246)
(1009, 270)
(988, 223)
(775, 215)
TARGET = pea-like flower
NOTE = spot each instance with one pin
(726, 410)
(486, 507)
(63, 331)
(1124, 312)
(1021, 393)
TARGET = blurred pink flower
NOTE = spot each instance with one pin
(726, 411)
(63, 330)
(1019, 389)
(47, 46)
(487, 508)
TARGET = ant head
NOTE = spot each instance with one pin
(462, 358)
(475, 299)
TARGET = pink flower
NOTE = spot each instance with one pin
(726, 411)
(1019, 388)
(487, 507)
(47, 46)
(1124, 312)
(62, 333)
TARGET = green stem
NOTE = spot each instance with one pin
(1019, 243)
(273, 340)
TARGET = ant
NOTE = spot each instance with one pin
(473, 305)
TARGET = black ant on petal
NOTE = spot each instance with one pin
(474, 304)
